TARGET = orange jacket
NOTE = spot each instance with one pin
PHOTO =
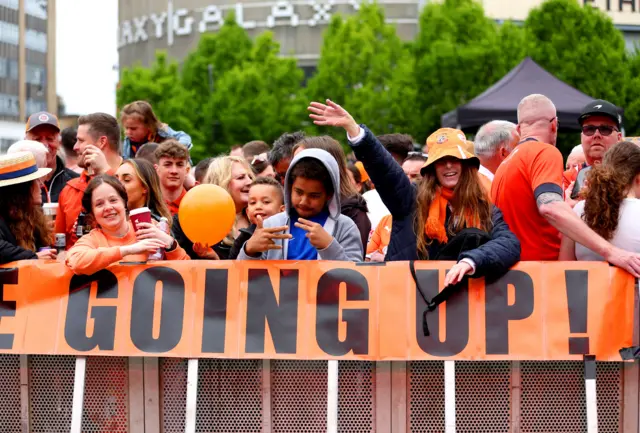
(96, 251)
(70, 206)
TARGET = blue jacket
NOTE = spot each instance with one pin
(165, 133)
(399, 195)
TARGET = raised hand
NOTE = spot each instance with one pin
(317, 235)
(263, 239)
(331, 114)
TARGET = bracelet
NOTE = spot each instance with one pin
(172, 247)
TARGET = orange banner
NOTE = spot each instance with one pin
(315, 310)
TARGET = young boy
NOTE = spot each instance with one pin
(312, 225)
(266, 198)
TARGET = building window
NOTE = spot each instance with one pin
(35, 8)
(36, 41)
(4, 68)
(9, 105)
(33, 106)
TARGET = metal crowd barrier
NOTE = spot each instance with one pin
(108, 394)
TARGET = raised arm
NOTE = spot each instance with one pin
(395, 189)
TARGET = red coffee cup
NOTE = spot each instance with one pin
(140, 215)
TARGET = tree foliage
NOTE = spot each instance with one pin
(458, 54)
(362, 64)
(232, 89)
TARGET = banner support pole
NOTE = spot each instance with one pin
(78, 394)
(332, 397)
(591, 394)
(450, 396)
(192, 396)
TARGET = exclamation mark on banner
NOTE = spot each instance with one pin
(577, 283)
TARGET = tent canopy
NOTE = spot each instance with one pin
(500, 101)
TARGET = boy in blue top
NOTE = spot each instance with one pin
(311, 227)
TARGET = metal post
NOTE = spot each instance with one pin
(450, 396)
(332, 397)
(78, 394)
(192, 396)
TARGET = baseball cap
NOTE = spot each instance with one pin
(600, 107)
(42, 118)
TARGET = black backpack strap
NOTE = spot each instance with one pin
(437, 300)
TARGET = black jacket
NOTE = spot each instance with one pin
(221, 248)
(399, 195)
(9, 249)
(356, 208)
(58, 181)
(244, 236)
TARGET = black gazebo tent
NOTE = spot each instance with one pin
(500, 101)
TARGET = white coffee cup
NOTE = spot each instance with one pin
(50, 211)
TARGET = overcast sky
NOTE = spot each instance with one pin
(86, 54)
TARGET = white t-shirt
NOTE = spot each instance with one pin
(377, 209)
(626, 236)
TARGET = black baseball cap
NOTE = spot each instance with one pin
(600, 107)
(42, 118)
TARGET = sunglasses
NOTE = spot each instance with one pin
(605, 130)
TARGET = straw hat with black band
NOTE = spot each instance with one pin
(20, 167)
(449, 142)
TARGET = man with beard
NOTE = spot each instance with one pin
(600, 122)
(98, 149)
(172, 168)
(44, 128)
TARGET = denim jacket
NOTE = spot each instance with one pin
(166, 132)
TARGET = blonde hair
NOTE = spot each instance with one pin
(219, 173)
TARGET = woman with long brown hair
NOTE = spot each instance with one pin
(352, 204)
(612, 203)
(142, 184)
(23, 227)
(446, 212)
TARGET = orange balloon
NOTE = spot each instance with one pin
(207, 214)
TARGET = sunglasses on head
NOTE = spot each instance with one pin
(605, 130)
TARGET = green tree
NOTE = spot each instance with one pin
(459, 53)
(217, 52)
(581, 46)
(632, 102)
(361, 64)
(160, 85)
(257, 99)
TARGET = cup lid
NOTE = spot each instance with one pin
(140, 210)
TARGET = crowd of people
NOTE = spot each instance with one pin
(486, 204)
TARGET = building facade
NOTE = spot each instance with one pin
(175, 25)
(27, 64)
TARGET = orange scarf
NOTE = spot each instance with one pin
(434, 227)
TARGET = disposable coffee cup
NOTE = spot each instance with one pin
(50, 211)
(140, 215)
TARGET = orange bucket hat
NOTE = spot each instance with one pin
(449, 142)
(364, 176)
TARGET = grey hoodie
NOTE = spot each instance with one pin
(346, 245)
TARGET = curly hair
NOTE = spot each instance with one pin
(468, 195)
(24, 218)
(609, 184)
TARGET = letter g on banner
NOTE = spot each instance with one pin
(104, 318)
(328, 313)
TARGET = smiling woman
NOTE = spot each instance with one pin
(115, 238)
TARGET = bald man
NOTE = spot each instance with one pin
(528, 189)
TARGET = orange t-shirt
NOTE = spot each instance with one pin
(532, 168)
(97, 250)
(174, 206)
